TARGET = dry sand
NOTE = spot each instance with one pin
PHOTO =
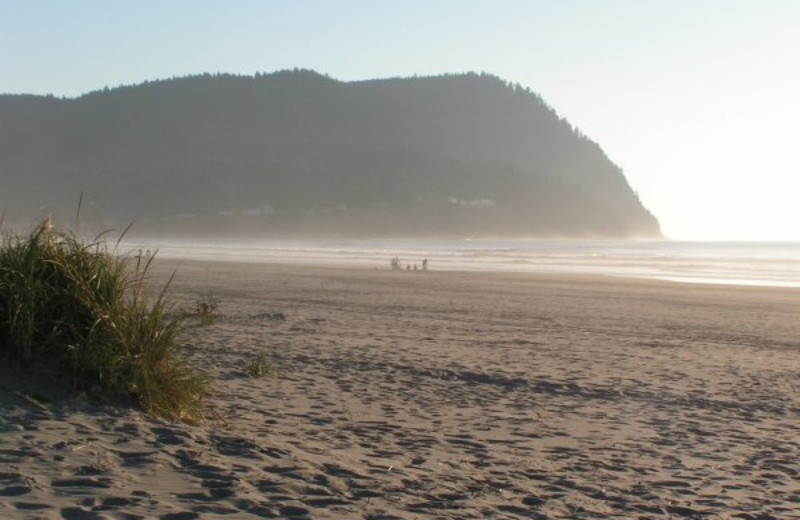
(441, 395)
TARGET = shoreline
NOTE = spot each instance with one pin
(752, 264)
(531, 275)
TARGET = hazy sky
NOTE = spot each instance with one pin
(697, 100)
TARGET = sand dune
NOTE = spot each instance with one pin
(440, 395)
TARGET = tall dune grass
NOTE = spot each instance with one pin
(82, 315)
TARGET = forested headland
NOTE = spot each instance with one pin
(296, 153)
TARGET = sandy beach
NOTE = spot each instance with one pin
(422, 395)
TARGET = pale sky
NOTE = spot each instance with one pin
(698, 101)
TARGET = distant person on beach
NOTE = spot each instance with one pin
(425, 264)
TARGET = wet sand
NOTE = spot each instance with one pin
(429, 395)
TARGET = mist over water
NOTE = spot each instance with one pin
(733, 263)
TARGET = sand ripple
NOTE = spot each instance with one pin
(447, 396)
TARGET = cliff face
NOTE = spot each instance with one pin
(297, 153)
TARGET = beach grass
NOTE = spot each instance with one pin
(82, 315)
(259, 366)
(204, 311)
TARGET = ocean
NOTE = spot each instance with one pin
(739, 263)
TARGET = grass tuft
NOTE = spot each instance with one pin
(203, 311)
(259, 366)
(84, 316)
